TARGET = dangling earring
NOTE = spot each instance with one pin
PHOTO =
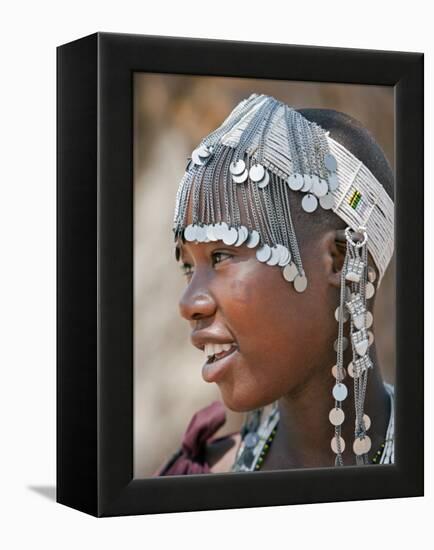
(340, 391)
(353, 306)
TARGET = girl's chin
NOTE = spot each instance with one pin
(241, 403)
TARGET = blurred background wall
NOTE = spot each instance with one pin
(172, 113)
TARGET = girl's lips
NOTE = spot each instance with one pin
(211, 372)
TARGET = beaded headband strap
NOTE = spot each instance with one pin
(361, 201)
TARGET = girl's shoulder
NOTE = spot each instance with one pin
(200, 451)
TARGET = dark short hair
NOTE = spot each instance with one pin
(350, 133)
(356, 138)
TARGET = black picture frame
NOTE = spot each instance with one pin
(95, 273)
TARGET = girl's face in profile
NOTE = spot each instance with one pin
(282, 337)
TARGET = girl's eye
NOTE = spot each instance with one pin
(187, 268)
(220, 254)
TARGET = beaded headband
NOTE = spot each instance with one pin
(262, 150)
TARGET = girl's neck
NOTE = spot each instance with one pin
(304, 432)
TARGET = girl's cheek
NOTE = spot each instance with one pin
(240, 292)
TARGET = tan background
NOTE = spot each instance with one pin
(172, 113)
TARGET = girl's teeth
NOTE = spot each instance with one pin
(217, 349)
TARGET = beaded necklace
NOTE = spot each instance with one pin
(258, 436)
(267, 446)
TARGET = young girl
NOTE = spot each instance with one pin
(284, 227)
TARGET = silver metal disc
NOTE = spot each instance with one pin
(230, 236)
(334, 444)
(295, 182)
(350, 369)
(204, 159)
(307, 183)
(210, 233)
(336, 416)
(194, 231)
(203, 151)
(344, 343)
(264, 181)
(320, 188)
(253, 239)
(340, 391)
(367, 422)
(315, 179)
(224, 232)
(362, 445)
(189, 233)
(196, 158)
(330, 162)
(300, 283)
(207, 239)
(290, 272)
(333, 181)
(275, 256)
(345, 314)
(251, 440)
(327, 202)
(335, 372)
(241, 178)
(264, 253)
(371, 337)
(369, 319)
(237, 167)
(243, 233)
(372, 274)
(218, 231)
(285, 255)
(309, 203)
(200, 233)
(256, 172)
(370, 290)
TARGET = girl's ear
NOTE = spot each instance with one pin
(335, 251)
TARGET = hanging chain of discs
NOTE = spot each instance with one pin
(353, 308)
(263, 190)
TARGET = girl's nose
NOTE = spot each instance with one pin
(197, 300)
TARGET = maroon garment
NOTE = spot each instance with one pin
(190, 457)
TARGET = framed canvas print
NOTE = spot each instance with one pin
(240, 274)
